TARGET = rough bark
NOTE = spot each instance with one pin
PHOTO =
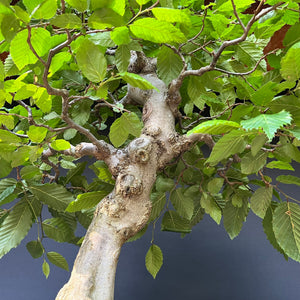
(127, 209)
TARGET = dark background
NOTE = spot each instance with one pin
(205, 264)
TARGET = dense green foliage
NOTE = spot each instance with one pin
(84, 47)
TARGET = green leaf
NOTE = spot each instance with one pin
(58, 230)
(54, 195)
(80, 5)
(41, 9)
(80, 167)
(257, 143)
(282, 165)
(169, 64)
(261, 200)
(58, 61)
(122, 58)
(268, 229)
(69, 21)
(158, 204)
(182, 204)
(60, 145)
(58, 260)
(211, 207)
(37, 134)
(91, 61)
(120, 35)
(128, 123)
(252, 164)
(226, 6)
(164, 184)
(105, 18)
(137, 81)
(234, 217)
(86, 201)
(286, 226)
(156, 31)
(7, 195)
(288, 179)
(231, 143)
(290, 63)
(214, 127)
(173, 222)
(35, 248)
(214, 185)
(46, 269)
(289, 103)
(9, 27)
(142, 2)
(171, 15)
(15, 227)
(154, 260)
(40, 41)
(268, 123)
(265, 94)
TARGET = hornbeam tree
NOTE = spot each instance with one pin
(143, 87)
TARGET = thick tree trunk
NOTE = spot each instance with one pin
(127, 209)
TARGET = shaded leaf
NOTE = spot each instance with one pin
(58, 260)
(286, 226)
(35, 248)
(173, 222)
(261, 200)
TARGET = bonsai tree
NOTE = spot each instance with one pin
(181, 104)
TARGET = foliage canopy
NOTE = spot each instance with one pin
(247, 99)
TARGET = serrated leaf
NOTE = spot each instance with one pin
(41, 9)
(252, 164)
(46, 269)
(264, 94)
(80, 5)
(268, 229)
(60, 145)
(286, 226)
(58, 61)
(40, 41)
(171, 15)
(257, 143)
(86, 201)
(137, 81)
(37, 134)
(122, 58)
(234, 217)
(290, 63)
(169, 64)
(158, 203)
(8, 195)
(120, 36)
(154, 260)
(58, 260)
(69, 21)
(58, 230)
(105, 18)
(268, 123)
(288, 179)
(35, 248)
(156, 31)
(8, 137)
(164, 184)
(128, 123)
(173, 222)
(231, 143)
(210, 206)
(76, 171)
(214, 127)
(91, 61)
(182, 204)
(261, 200)
(15, 227)
(282, 165)
(54, 195)
(214, 185)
